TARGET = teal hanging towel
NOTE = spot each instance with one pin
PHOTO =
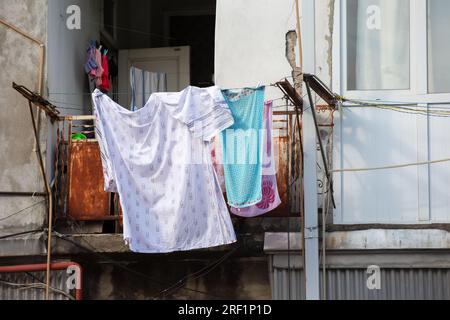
(242, 147)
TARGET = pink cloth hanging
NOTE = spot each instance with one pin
(271, 198)
(99, 72)
(105, 85)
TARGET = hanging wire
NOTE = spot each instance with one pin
(196, 275)
(20, 234)
(407, 108)
(38, 286)
(21, 211)
(288, 191)
(124, 267)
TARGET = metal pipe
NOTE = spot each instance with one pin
(19, 31)
(50, 198)
(322, 151)
(43, 267)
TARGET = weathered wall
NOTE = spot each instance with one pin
(68, 84)
(19, 62)
(251, 42)
(251, 45)
(324, 41)
(237, 278)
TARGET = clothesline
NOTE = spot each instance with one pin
(391, 166)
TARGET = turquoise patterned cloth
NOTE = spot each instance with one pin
(242, 147)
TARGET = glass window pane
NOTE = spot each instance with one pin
(378, 44)
(438, 46)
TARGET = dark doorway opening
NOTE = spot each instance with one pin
(199, 33)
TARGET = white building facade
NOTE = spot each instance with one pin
(385, 53)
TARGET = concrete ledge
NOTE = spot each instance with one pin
(22, 246)
(36, 245)
(375, 239)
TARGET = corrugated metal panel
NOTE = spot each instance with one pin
(350, 284)
(10, 292)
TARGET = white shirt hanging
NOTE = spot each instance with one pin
(158, 160)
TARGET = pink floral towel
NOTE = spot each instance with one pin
(271, 199)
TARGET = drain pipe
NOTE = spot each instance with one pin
(56, 266)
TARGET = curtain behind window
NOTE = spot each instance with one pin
(378, 44)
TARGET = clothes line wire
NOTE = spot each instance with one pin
(194, 276)
(392, 166)
(144, 33)
(37, 286)
(386, 102)
(416, 108)
(136, 31)
(404, 110)
(420, 106)
(120, 265)
(21, 211)
(210, 267)
(20, 234)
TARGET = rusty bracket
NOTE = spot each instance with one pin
(320, 89)
(290, 92)
(314, 83)
(50, 110)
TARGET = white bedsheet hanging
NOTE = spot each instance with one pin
(158, 160)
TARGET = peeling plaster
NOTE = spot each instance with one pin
(329, 37)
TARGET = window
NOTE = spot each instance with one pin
(392, 51)
(438, 46)
(378, 45)
(395, 49)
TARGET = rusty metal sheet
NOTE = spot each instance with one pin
(87, 199)
(285, 175)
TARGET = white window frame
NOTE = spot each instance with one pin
(418, 91)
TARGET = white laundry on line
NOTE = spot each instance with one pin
(158, 160)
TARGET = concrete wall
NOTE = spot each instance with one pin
(237, 278)
(324, 10)
(251, 42)
(67, 81)
(68, 86)
(19, 62)
(251, 46)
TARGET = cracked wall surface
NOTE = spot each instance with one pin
(19, 61)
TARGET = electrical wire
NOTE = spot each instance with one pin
(123, 267)
(288, 191)
(20, 234)
(400, 166)
(204, 271)
(407, 108)
(20, 211)
(177, 285)
(386, 102)
(194, 276)
(41, 286)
